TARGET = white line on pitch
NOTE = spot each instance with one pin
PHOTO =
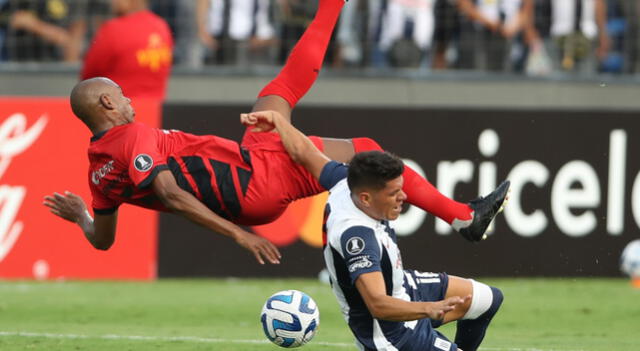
(153, 338)
(212, 340)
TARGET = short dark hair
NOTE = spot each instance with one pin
(373, 169)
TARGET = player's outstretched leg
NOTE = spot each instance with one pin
(470, 330)
(304, 62)
(471, 220)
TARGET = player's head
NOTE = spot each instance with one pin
(99, 103)
(375, 180)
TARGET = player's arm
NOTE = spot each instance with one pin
(99, 231)
(183, 203)
(382, 306)
(299, 147)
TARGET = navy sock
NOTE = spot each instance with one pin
(470, 332)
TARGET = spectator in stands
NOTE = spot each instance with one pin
(613, 61)
(236, 32)
(358, 33)
(44, 30)
(98, 11)
(486, 32)
(188, 51)
(134, 49)
(295, 16)
(407, 31)
(447, 27)
(579, 31)
(182, 18)
(351, 34)
(631, 10)
(537, 61)
(3, 29)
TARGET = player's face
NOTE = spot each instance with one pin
(387, 202)
(124, 105)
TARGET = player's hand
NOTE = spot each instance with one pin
(68, 206)
(262, 121)
(438, 309)
(261, 248)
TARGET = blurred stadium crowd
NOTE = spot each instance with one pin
(532, 37)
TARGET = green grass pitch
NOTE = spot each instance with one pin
(538, 315)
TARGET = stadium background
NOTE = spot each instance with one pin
(431, 121)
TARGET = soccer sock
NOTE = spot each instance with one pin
(305, 60)
(420, 192)
(470, 332)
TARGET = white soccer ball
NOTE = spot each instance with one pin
(290, 318)
(630, 259)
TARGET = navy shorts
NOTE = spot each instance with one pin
(425, 286)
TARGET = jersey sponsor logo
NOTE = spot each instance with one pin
(355, 245)
(96, 176)
(143, 162)
(360, 262)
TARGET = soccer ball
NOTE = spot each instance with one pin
(630, 259)
(290, 318)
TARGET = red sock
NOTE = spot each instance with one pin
(305, 60)
(420, 192)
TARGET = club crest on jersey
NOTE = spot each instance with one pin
(143, 162)
(355, 245)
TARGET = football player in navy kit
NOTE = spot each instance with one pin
(386, 306)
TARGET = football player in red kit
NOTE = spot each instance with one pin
(218, 183)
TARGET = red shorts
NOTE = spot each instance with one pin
(276, 180)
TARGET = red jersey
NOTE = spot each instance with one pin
(125, 159)
(135, 51)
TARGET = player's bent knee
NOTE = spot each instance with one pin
(486, 301)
